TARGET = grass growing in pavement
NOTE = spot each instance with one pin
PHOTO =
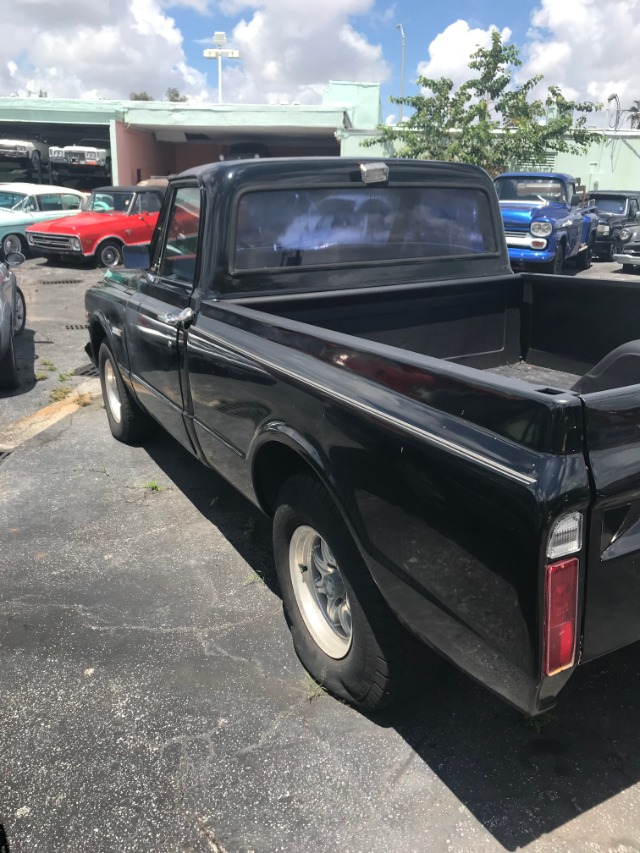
(59, 393)
(82, 400)
(40, 376)
(48, 365)
(152, 486)
(64, 376)
(312, 688)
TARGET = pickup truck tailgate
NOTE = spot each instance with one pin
(612, 596)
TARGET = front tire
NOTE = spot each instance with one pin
(9, 379)
(109, 254)
(20, 313)
(127, 422)
(342, 629)
(583, 258)
(554, 267)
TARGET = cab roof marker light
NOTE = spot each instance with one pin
(566, 536)
(374, 173)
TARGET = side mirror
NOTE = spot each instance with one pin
(576, 200)
(14, 259)
(136, 257)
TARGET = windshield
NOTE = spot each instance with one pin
(110, 202)
(611, 205)
(528, 189)
(10, 200)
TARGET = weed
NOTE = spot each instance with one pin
(537, 724)
(48, 365)
(82, 400)
(40, 376)
(249, 530)
(255, 577)
(59, 393)
(313, 689)
(152, 486)
(62, 377)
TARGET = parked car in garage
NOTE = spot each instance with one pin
(628, 249)
(24, 204)
(89, 156)
(114, 217)
(13, 316)
(615, 209)
(29, 151)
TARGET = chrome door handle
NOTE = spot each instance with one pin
(185, 316)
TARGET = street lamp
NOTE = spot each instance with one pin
(615, 98)
(399, 27)
(220, 50)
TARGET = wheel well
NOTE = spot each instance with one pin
(96, 335)
(274, 464)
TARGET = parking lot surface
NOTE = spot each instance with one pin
(150, 699)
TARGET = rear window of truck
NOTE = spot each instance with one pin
(317, 227)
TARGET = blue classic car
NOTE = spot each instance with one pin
(23, 204)
(545, 221)
(12, 319)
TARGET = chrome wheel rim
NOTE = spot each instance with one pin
(110, 257)
(320, 592)
(11, 244)
(111, 391)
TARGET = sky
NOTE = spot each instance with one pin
(290, 50)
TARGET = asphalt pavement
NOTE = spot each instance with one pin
(150, 698)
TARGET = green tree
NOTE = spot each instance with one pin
(634, 114)
(489, 120)
(140, 96)
(172, 94)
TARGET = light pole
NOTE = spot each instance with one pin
(220, 50)
(615, 98)
(399, 27)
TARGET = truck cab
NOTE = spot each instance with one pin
(546, 221)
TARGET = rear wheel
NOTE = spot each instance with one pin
(9, 367)
(127, 422)
(342, 629)
(109, 254)
(13, 243)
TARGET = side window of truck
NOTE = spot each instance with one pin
(180, 251)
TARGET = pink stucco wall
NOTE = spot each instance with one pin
(139, 150)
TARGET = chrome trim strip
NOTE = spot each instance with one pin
(430, 437)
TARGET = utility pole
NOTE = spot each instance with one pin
(399, 27)
(220, 50)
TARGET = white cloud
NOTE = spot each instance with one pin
(451, 50)
(104, 50)
(587, 47)
(288, 53)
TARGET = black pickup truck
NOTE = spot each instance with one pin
(449, 451)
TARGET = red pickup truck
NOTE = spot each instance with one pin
(115, 217)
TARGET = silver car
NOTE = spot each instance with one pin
(13, 316)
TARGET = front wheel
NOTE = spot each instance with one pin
(127, 422)
(9, 368)
(20, 313)
(583, 258)
(109, 254)
(554, 267)
(342, 629)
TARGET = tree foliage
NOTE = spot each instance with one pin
(140, 96)
(634, 115)
(489, 120)
(172, 94)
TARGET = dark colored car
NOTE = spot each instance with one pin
(616, 209)
(12, 319)
(628, 248)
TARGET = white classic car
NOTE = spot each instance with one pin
(30, 152)
(23, 204)
(88, 155)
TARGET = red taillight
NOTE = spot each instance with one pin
(560, 615)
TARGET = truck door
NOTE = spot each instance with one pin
(612, 594)
(156, 322)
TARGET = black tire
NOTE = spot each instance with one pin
(9, 379)
(628, 268)
(583, 258)
(373, 669)
(127, 421)
(20, 313)
(554, 267)
(109, 254)
(13, 243)
(34, 161)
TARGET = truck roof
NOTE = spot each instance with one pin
(562, 176)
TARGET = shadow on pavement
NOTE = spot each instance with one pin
(4, 841)
(519, 778)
